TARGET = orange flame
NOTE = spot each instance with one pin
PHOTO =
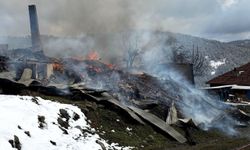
(110, 66)
(93, 56)
(58, 67)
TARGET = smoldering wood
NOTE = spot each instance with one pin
(126, 91)
(129, 86)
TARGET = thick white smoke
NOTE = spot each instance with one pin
(68, 47)
(193, 103)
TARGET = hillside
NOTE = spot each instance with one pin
(221, 56)
(241, 43)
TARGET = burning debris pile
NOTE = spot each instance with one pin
(158, 98)
(146, 98)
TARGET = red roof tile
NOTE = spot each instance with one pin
(239, 76)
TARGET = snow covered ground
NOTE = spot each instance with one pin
(42, 124)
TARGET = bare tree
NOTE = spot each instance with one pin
(179, 56)
(130, 46)
(198, 61)
(177, 52)
(194, 57)
(131, 55)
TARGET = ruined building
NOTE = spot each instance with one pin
(34, 58)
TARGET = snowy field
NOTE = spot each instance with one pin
(39, 124)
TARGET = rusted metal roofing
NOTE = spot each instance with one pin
(238, 76)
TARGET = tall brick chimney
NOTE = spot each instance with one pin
(34, 28)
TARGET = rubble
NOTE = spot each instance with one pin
(129, 92)
(107, 96)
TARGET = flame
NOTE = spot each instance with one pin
(58, 67)
(93, 56)
(111, 66)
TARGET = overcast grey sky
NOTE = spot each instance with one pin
(216, 19)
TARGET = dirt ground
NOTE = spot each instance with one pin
(115, 126)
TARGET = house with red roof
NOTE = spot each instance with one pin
(233, 85)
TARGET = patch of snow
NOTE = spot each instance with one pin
(19, 114)
(129, 129)
(215, 64)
